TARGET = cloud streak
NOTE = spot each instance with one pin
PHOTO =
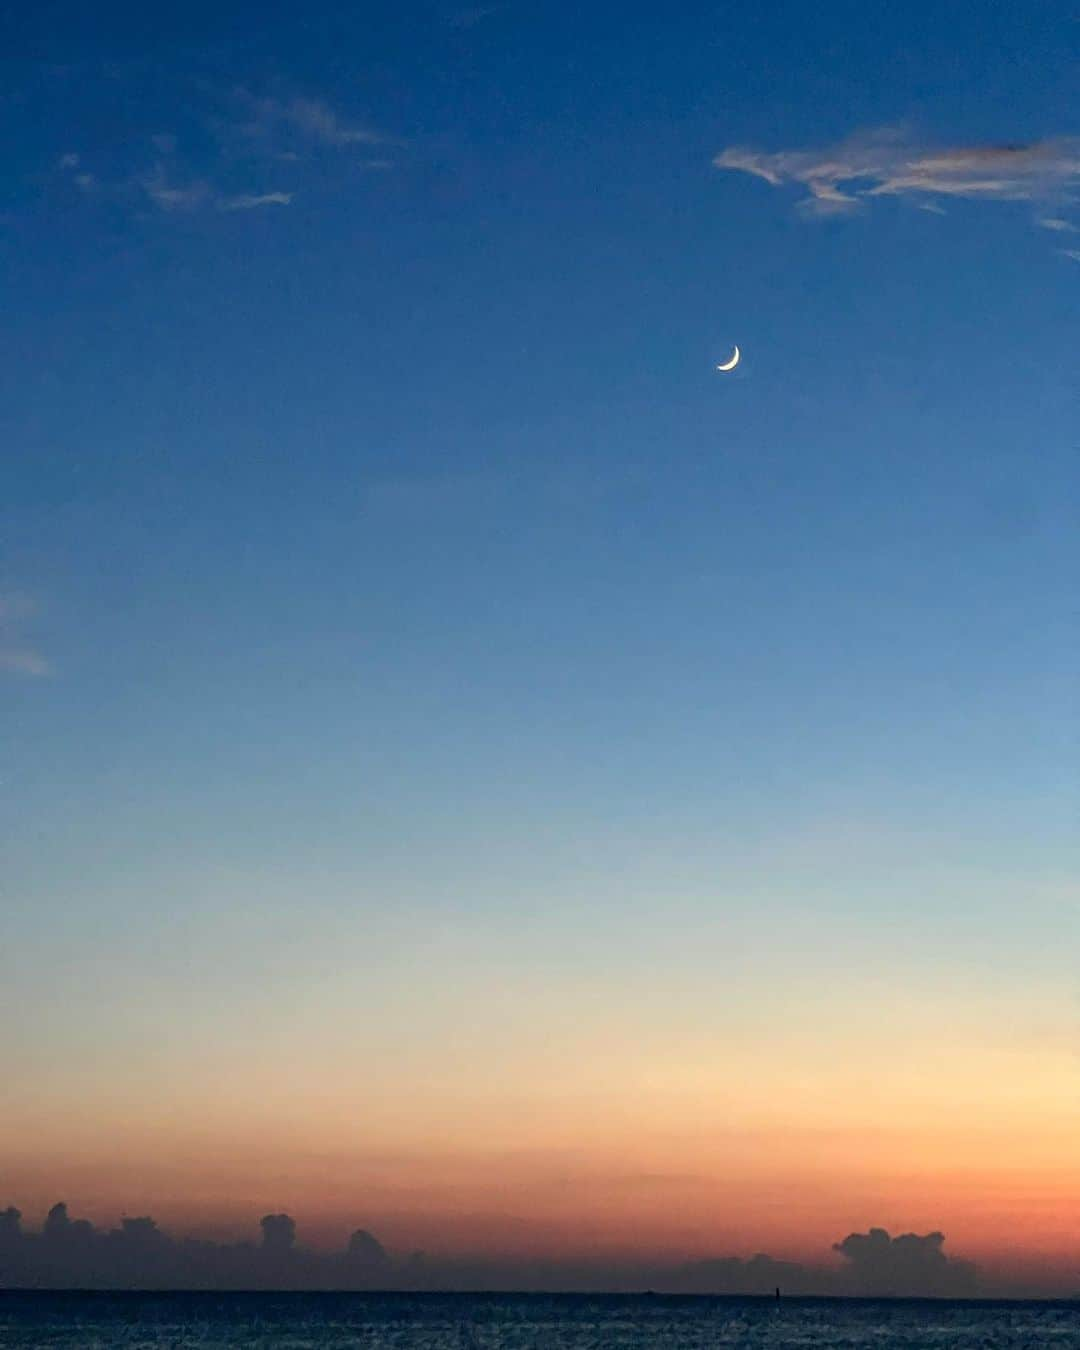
(170, 197)
(317, 120)
(250, 139)
(840, 179)
(17, 656)
(22, 660)
(476, 14)
(249, 202)
(302, 122)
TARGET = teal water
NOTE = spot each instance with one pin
(518, 1322)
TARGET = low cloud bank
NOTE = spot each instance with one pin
(908, 1265)
(73, 1253)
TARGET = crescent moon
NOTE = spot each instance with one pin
(734, 361)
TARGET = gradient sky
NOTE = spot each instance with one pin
(468, 767)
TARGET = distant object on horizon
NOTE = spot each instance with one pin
(732, 362)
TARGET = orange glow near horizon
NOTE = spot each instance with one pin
(504, 1117)
(601, 1184)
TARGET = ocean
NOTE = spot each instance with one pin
(523, 1322)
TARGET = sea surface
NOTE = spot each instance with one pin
(521, 1322)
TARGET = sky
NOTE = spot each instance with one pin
(471, 769)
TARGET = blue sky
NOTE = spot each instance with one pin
(379, 543)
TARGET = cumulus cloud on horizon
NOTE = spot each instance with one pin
(69, 1252)
(840, 178)
(911, 1264)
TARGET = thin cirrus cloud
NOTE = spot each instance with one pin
(840, 179)
(293, 125)
(21, 660)
(315, 119)
(70, 164)
(255, 138)
(169, 196)
(17, 656)
(475, 14)
(250, 202)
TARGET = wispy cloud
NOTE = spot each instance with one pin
(243, 142)
(475, 14)
(174, 197)
(839, 179)
(22, 660)
(319, 121)
(1060, 225)
(171, 195)
(297, 121)
(1073, 253)
(17, 656)
(249, 202)
(69, 164)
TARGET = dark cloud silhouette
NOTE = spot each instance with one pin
(761, 1274)
(57, 1223)
(366, 1249)
(878, 1264)
(72, 1253)
(62, 1231)
(141, 1233)
(10, 1224)
(278, 1233)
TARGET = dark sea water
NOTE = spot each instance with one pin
(517, 1322)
